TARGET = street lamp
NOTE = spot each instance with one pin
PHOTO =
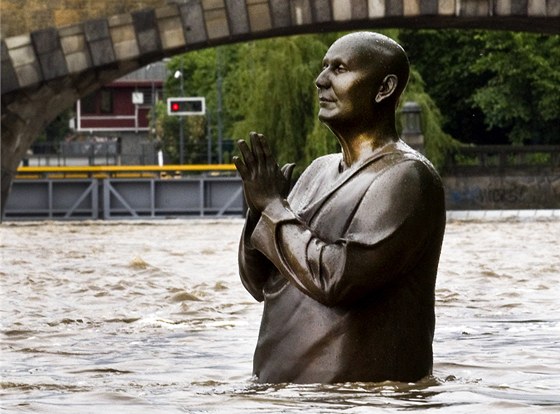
(412, 127)
(179, 75)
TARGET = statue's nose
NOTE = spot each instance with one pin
(322, 80)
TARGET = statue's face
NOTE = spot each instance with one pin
(347, 84)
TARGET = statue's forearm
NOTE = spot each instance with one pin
(331, 273)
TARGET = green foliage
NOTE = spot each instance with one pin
(493, 87)
(277, 94)
(523, 92)
(58, 129)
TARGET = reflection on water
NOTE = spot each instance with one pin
(150, 317)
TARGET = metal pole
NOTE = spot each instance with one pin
(181, 125)
(181, 141)
(208, 138)
(220, 121)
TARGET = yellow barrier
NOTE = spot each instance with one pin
(123, 171)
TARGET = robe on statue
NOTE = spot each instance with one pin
(347, 271)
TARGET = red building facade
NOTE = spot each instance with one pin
(123, 105)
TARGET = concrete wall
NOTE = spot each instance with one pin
(488, 192)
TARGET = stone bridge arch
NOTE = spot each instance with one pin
(45, 71)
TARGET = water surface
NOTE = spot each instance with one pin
(150, 317)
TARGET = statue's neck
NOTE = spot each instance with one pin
(360, 144)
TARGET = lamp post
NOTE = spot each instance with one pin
(179, 74)
(411, 114)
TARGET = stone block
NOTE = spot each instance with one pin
(73, 44)
(411, 8)
(71, 31)
(144, 20)
(147, 33)
(502, 7)
(553, 8)
(536, 8)
(259, 17)
(193, 21)
(169, 11)
(446, 7)
(471, 8)
(9, 79)
(429, 7)
(519, 7)
(237, 11)
(322, 11)
(212, 4)
(342, 10)
(171, 33)
(18, 41)
(28, 75)
(216, 23)
(280, 11)
(148, 41)
(394, 8)
(126, 50)
(77, 62)
(359, 9)
(376, 8)
(22, 56)
(101, 52)
(45, 41)
(123, 33)
(120, 20)
(96, 30)
(4, 55)
(301, 12)
(53, 65)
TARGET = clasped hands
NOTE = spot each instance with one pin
(264, 182)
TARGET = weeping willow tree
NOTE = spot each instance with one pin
(277, 95)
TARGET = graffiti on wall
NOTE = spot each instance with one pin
(515, 192)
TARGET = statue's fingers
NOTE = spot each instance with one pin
(246, 152)
(271, 164)
(257, 148)
(265, 147)
(287, 170)
(241, 167)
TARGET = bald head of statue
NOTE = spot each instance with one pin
(363, 76)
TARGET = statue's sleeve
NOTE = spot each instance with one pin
(254, 267)
(386, 232)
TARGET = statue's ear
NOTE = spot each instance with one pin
(387, 87)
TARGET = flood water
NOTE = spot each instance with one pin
(150, 317)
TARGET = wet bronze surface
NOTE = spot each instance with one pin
(346, 261)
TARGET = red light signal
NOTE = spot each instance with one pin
(186, 106)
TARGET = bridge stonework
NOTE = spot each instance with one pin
(23, 16)
(47, 70)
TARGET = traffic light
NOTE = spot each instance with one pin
(186, 106)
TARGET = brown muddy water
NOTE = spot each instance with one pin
(150, 317)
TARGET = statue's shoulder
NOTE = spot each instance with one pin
(416, 160)
(325, 160)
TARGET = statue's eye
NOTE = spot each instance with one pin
(341, 69)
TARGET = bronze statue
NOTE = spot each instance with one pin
(346, 261)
